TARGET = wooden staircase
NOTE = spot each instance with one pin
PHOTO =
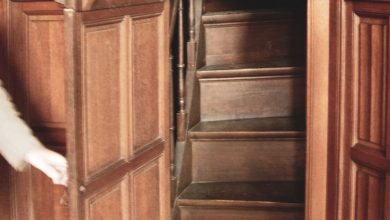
(247, 152)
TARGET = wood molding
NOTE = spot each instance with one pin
(318, 21)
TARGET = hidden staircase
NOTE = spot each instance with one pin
(248, 149)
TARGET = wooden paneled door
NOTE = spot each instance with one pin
(365, 113)
(118, 109)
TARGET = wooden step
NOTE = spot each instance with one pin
(236, 37)
(285, 127)
(264, 68)
(248, 150)
(242, 200)
(246, 96)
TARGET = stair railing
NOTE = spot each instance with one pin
(181, 114)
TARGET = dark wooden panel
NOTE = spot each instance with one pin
(372, 45)
(238, 98)
(5, 190)
(369, 195)
(119, 89)
(364, 114)
(233, 5)
(252, 37)
(247, 160)
(200, 213)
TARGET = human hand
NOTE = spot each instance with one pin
(50, 163)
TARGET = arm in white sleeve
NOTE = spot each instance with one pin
(16, 138)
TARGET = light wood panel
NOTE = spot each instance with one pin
(36, 82)
(102, 94)
(145, 82)
(37, 67)
(91, 5)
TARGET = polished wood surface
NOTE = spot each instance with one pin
(253, 36)
(35, 78)
(318, 70)
(271, 191)
(118, 111)
(359, 113)
(250, 98)
(239, 98)
(247, 160)
(244, 200)
(367, 99)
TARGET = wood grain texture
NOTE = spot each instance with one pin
(93, 5)
(233, 5)
(369, 196)
(247, 160)
(114, 197)
(102, 95)
(364, 96)
(318, 58)
(275, 37)
(118, 88)
(36, 64)
(5, 190)
(372, 47)
(36, 82)
(222, 213)
(239, 98)
(145, 82)
(146, 192)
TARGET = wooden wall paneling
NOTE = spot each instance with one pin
(91, 5)
(36, 81)
(5, 191)
(5, 172)
(118, 111)
(363, 110)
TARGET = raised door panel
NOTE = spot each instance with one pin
(367, 96)
(118, 111)
(36, 82)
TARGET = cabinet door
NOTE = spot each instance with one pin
(366, 113)
(118, 112)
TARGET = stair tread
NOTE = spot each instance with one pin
(255, 127)
(263, 68)
(244, 193)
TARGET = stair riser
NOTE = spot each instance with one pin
(253, 97)
(231, 5)
(205, 213)
(251, 42)
(247, 160)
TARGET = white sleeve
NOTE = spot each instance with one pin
(16, 138)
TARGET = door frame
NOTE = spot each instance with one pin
(324, 68)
